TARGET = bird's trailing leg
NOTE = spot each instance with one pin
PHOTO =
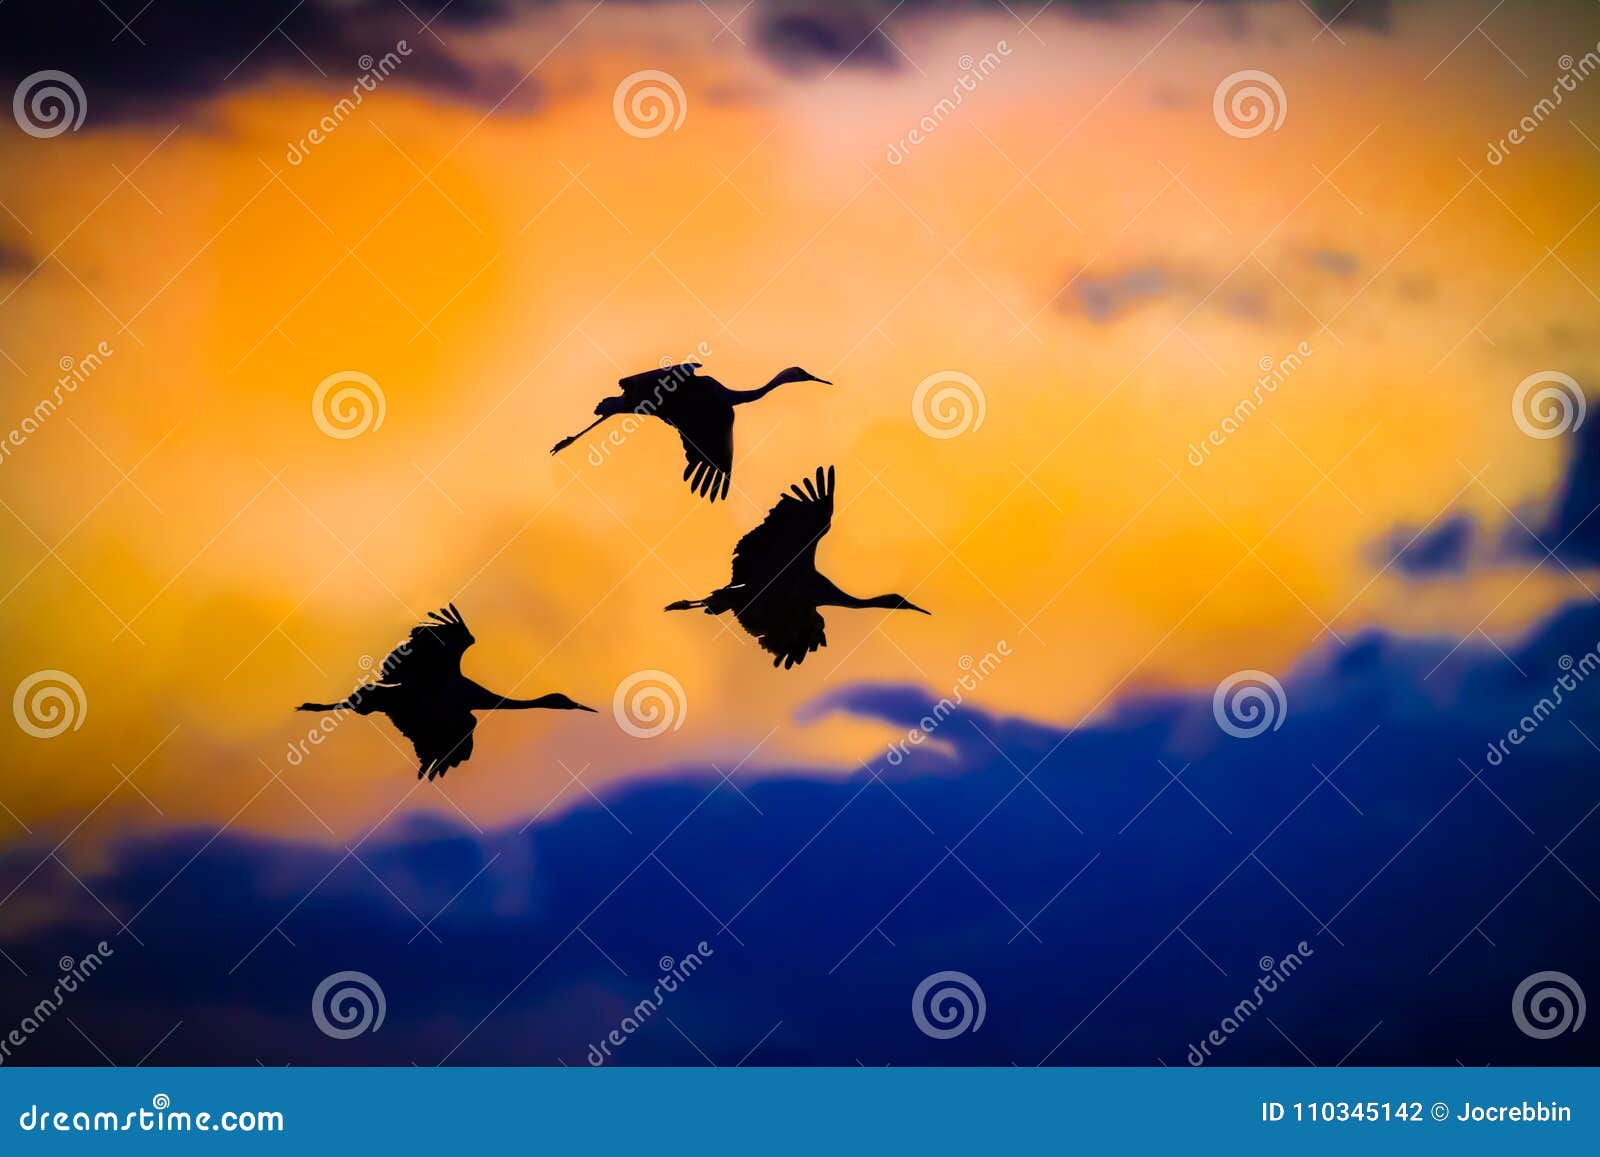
(689, 605)
(345, 705)
(607, 408)
(565, 442)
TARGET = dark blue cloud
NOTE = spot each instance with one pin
(1442, 548)
(1562, 532)
(1113, 889)
(1571, 527)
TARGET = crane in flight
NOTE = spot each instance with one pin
(421, 689)
(776, 588)
(699, 408)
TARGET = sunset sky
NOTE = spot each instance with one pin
(1080, 237)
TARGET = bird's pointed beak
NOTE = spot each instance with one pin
(919, 610)
(824, 381)
(581, 707)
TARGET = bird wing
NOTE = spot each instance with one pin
(707, 435)
(786, 631)
(433, 652)
(656, 387)
(783, 548)
(442, 738)
(649, 378)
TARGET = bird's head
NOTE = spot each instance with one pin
(562, 703)
(796, 374)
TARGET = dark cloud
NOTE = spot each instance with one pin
(1571, 527)
(1562, 532)
(1110, 914)
(14, 256)
(175, 52)
(1105, 297)
(825, 38)
(1339, 262)
(1442, 548)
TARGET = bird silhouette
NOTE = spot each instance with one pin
(421, 689)
(699, 408)
(776, 587)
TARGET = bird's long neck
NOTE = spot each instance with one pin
(740, 397)
(832, 596)
(480, 698)
(523, 704)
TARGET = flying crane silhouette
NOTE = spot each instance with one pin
(776, 587)
(699, 408)
(421, 689)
